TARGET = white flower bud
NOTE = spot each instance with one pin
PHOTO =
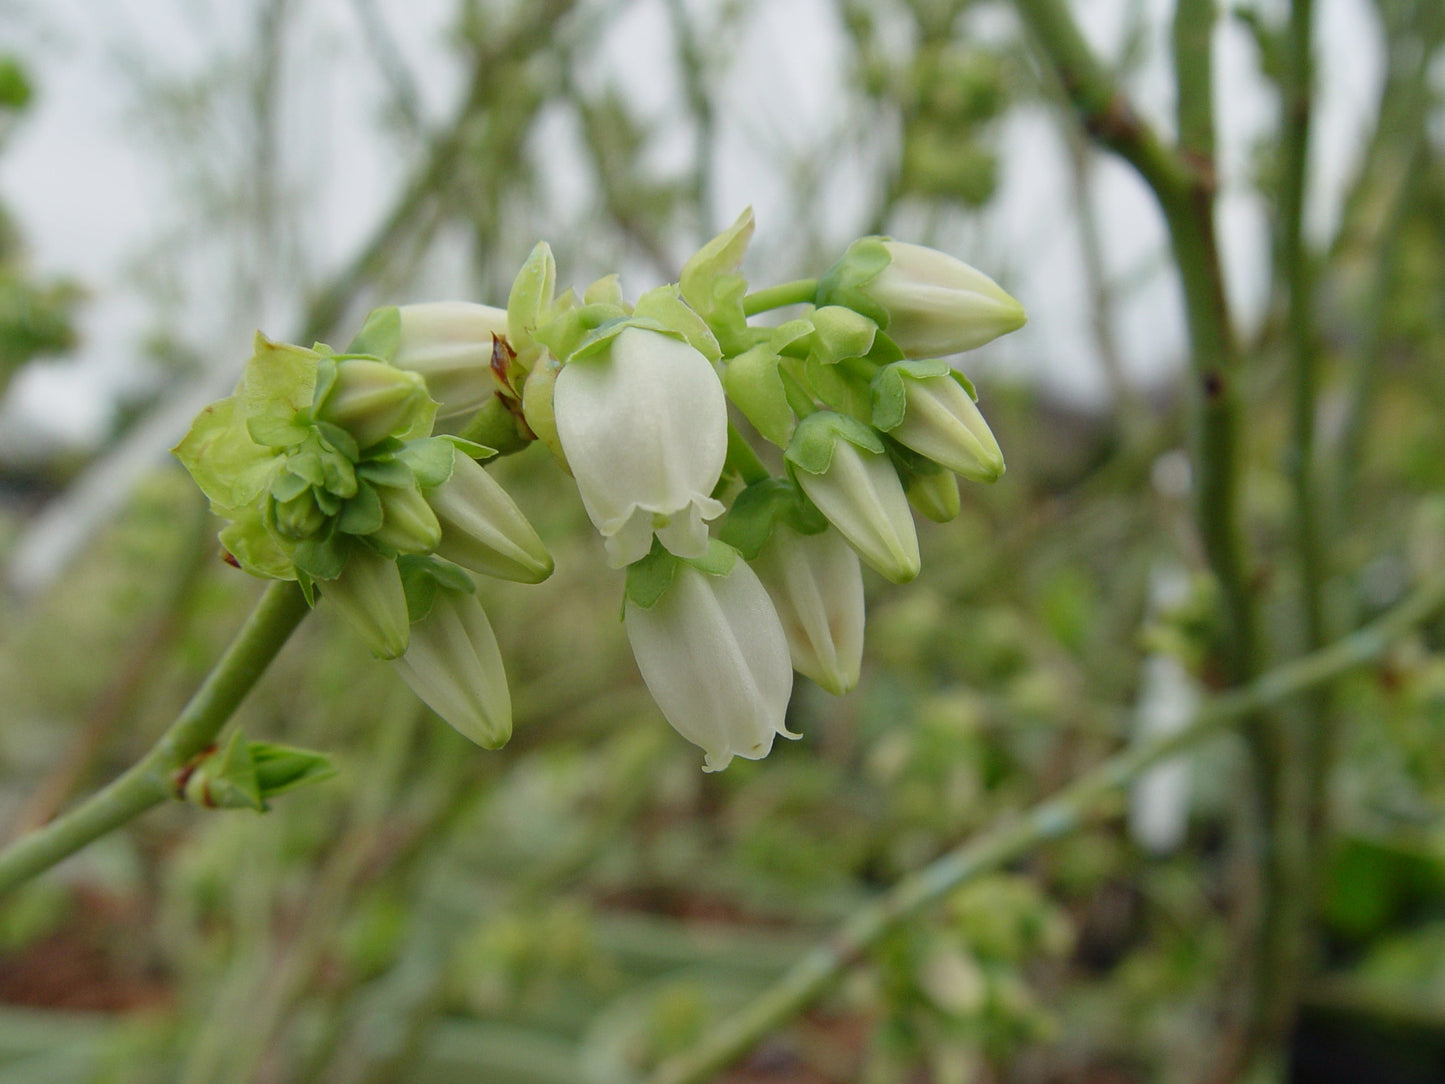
(643, 423)
(454, 665)
(369, 595)
(450, 344)
(860, 494)
(483, 530)
(942, 422)
(816, 584)
(714, 656)
(372, 400)
(939, 305)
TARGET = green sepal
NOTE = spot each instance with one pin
(530, 304)
(811, 448)
(757, 508)
(842, 283)
(599, 335)
(468, 447)
(279, 382)
(288, 485)
(649, 578)
(840, 332)
(380, 334)
(320, 558)
(711, 284)
(576, 329)
(890, 391)
(336, 439)
(717, 561)
(792, 337)
(537, 405)
(362, 513)
(256, 549)
(338, 476)
(430, 460)
(422, 576)
(666, 306)
(390, 471)
(329, 502)
(605, 291)
(326, 370)
(494, 427)
(752, 381)
(302, 467)
(231, 468)
(840, 387)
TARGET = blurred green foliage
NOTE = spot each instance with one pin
(586, 901)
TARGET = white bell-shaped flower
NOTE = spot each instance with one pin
(817, 586)
(450, 344)
(454, 665)
(643, 423)
(713, 654)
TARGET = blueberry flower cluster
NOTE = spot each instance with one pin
(328, 469)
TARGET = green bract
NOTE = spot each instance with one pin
(711, 284)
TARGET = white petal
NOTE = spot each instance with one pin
(644, 426)
(713, 654)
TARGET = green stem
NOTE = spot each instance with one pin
(800, 292)
(743, 459)
(150, 780)
(1067, 811)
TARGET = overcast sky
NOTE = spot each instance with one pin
(81, 180)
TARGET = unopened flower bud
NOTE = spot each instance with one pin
(643, 423)
(483, 530)
(299, 518)
(934, 494)
(408, 524)
(929, 303)
(939, 420)
(714, 657)
(449, 343)
(372, 400)
(816, 584)
(369, 595)
(842, 467)
(455, 666)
